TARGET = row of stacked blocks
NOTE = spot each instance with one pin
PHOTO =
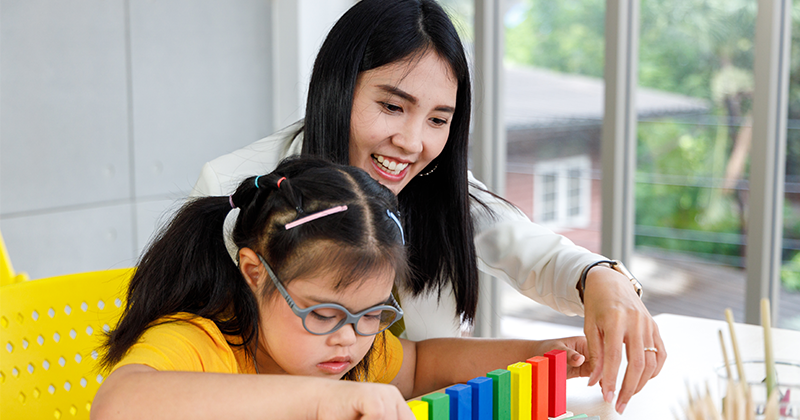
(535, 389)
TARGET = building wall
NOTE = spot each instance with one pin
(109, 108)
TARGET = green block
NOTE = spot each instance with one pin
(501, 388)
(438, 406)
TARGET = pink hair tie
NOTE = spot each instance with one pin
(315, 216)
(230, 200)
(279, 182)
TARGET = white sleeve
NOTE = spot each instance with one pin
(541, 264)
(223, 175)
(208, 184)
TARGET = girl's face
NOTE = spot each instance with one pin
(401, 118)
(285, 347)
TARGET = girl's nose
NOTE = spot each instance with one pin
(345, 336)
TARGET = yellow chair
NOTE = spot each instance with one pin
(50, 330)
(7, 274)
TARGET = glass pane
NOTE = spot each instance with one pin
(694, 134)
(789, 299)
(553, 69)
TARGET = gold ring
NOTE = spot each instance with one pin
(653, 349)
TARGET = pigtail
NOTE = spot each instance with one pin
(186, 269)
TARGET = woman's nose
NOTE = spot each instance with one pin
(409, 138)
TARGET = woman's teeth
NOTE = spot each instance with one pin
(392, 167)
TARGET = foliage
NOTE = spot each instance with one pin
(790, 273)
(673, 189)
(698, 48)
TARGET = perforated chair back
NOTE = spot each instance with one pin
(50, 331)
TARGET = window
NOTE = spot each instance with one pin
(562, 193)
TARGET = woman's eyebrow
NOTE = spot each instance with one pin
(394, 90)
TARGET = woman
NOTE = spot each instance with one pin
(390, 93)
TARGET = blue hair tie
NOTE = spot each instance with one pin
(256, 180)
(399, 226)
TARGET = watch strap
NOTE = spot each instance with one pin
(614, 265)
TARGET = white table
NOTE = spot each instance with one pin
(693, 354)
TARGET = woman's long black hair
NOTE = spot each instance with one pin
(187, 267)
(435, 208)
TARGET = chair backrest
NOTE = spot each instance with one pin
(7, 274)
(50, 331)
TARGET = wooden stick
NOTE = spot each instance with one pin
(771, 412)
(725, 356)
(769, 360)
(739, 365)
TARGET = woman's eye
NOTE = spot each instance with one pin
(438, 122)
(391, 107)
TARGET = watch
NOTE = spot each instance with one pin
(615, 265)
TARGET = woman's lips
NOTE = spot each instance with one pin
(386, 172)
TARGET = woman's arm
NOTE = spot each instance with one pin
(141, 392)
(546, 267)
(433, 364)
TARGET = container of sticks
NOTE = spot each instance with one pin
(786, 389)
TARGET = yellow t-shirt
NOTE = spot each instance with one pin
(185, 342)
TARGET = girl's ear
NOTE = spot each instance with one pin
(252, 269)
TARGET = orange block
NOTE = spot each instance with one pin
(539, 387)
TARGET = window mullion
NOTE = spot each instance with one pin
(618, 142)
(768, 157)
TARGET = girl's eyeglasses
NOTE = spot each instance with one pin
(326, 318)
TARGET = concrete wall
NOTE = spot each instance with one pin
(108, 109)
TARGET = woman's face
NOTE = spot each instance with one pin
(285, 347)
(401, 118)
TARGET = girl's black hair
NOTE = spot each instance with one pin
(436, 208)
(187, 267)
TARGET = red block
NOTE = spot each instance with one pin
(540, 372)
(558, 382)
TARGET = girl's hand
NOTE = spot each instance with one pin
(576, 348)
(361, 400)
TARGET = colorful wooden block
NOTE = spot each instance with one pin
(501, 391)
(438, 406)
(419, 409)
(540, 386)
(482, 398)
(460, 402)
(558, 383)
(520, 391)
(566, 416)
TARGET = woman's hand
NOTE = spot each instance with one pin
(344, 400)
(614, 314)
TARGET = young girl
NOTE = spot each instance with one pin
(390, 93)
(246, 306)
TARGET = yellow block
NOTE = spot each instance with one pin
(419, 408)
(520, 391)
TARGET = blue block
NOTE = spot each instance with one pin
(460, 402)
(482, 398)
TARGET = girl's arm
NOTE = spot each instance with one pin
(141, 392)
(433, 364)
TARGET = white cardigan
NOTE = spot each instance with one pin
(539, 263)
